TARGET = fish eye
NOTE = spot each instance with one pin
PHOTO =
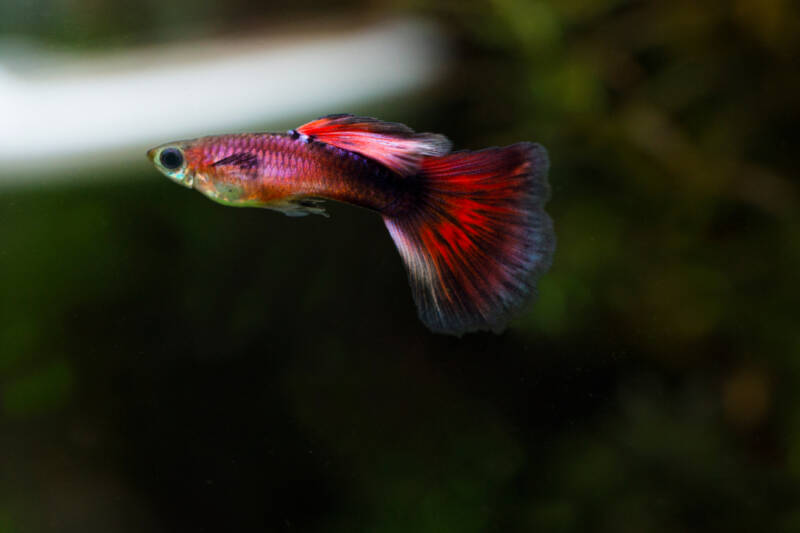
(171, 158)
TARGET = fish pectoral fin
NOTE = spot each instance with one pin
(243, 160)
(300, 207)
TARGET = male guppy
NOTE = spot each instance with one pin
(470, 226)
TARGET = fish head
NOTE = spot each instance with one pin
(212, 166)
(174, 161)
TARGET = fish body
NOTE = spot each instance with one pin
(287, 172)
(470, 226)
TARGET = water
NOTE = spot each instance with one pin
(169, 364)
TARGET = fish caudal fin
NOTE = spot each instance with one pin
(479, 238)
(392, 144)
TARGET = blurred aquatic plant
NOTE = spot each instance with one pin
(38, 391)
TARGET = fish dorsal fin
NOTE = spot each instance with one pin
(390, 143)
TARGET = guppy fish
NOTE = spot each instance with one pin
(470, 226)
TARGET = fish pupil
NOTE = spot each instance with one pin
(171, 158)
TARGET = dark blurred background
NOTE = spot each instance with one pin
(169, 364)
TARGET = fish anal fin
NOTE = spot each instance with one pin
(299, 207)
(392, 144)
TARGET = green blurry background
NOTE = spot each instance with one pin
(168, 364)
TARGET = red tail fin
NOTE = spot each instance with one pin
(480, 237)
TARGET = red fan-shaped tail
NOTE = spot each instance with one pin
(479, 239)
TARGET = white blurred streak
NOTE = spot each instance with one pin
(74, 113)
